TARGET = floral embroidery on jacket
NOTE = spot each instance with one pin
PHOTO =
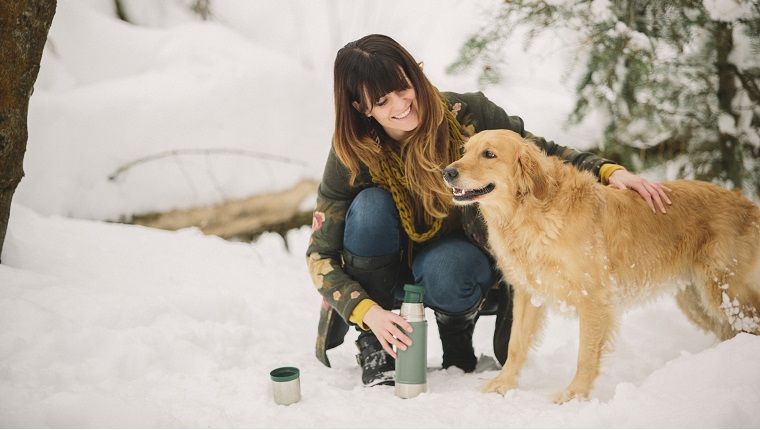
(318, 269)
(456, 108)
(466, 127)
(316, 223)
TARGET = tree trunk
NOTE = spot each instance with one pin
(731, 151)
(24, 25)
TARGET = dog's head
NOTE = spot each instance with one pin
(498, 163)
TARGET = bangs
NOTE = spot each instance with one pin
(373, 77)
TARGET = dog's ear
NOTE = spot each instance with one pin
(532, 172)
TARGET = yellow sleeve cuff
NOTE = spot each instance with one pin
(357, 315)
(606, 170)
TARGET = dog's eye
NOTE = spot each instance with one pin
(489, 154)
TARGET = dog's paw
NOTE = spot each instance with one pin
(569, 394)
(497, 385)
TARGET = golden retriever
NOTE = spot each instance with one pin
(563, 239)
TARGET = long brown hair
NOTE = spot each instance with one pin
(366, 70)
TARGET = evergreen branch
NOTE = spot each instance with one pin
(749, 79)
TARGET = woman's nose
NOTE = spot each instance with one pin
(396, 100)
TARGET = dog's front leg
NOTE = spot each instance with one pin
(597, 323)
(527, 320)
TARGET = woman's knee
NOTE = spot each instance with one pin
(370, 206)
(457, 275)
(372, 224)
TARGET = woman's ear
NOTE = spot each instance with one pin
(359, 108)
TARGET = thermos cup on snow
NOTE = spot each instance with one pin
(411, 365)
(286, 385)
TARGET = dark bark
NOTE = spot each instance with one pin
(24, 25)
(730, 147)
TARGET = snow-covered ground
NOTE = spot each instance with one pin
(110, 325)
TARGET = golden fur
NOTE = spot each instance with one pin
(563, 239)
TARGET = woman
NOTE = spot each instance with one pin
(384, 216)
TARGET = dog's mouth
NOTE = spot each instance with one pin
(461, 195)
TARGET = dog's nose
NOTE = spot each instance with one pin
(449, 174)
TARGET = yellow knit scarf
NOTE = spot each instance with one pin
(391, 177)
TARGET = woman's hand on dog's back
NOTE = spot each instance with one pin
(651, 192)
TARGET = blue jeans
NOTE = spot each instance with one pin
(456, 273)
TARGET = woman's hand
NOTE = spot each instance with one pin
(652, 192)
(385, 325)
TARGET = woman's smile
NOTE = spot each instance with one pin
(405, 113)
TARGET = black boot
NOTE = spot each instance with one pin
(378, 367)
(456, 338)
(378, 276)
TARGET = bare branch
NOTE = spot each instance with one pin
(200, 151)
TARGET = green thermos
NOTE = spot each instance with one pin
(411, 365)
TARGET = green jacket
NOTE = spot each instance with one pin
(340, 293)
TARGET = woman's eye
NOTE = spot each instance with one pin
(381, 102)
(489, 154)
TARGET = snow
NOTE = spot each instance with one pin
(728, 10)
(110, 325)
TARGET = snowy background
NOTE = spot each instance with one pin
(110, 325)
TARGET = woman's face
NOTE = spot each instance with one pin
(397, 113)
